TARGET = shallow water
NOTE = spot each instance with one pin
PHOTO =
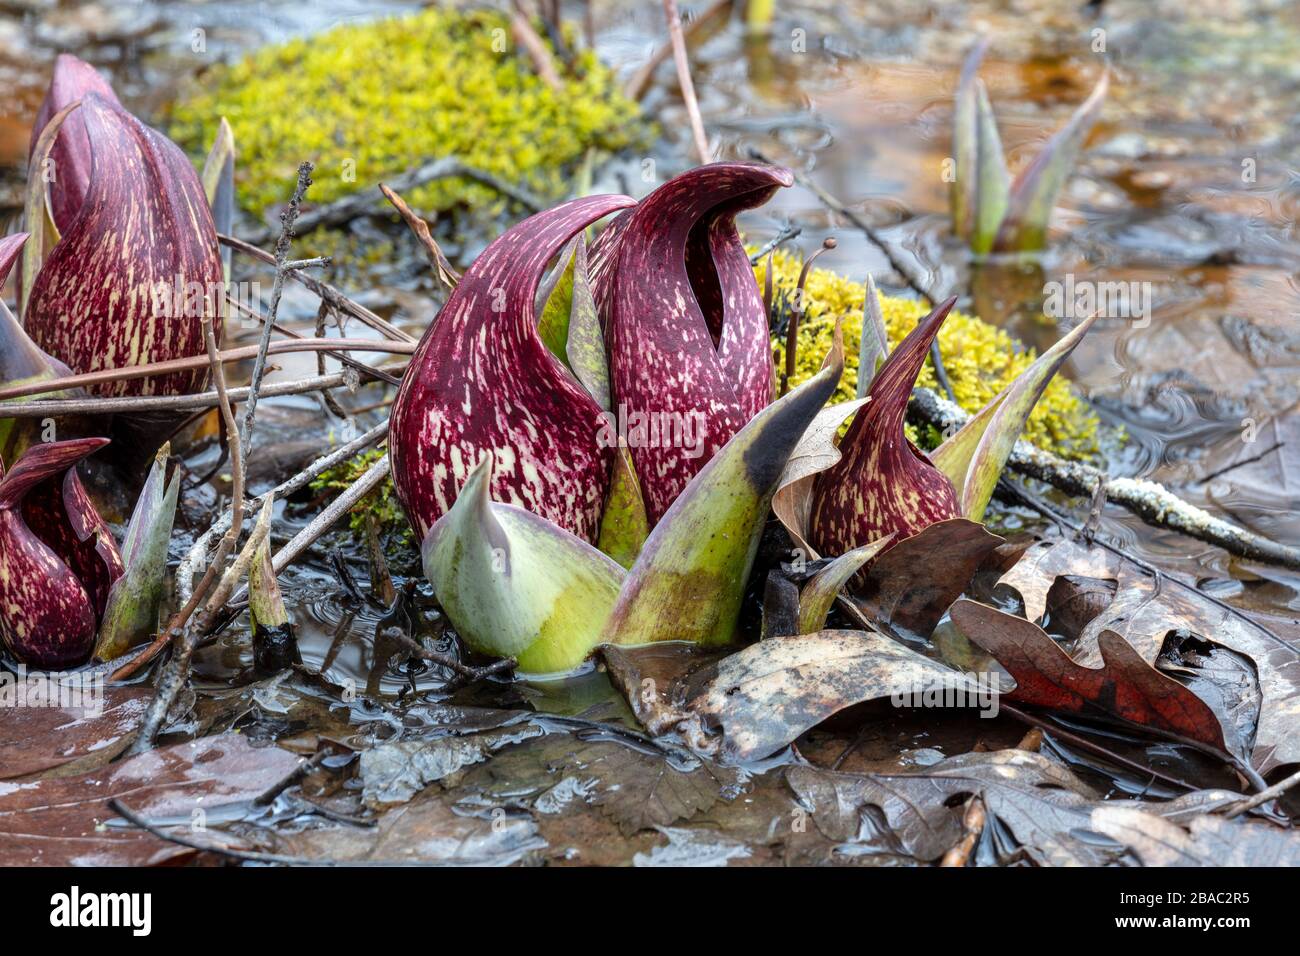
(858, 96)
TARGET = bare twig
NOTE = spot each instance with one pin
(225, 357)
(796, 314)
(288, 487)
(362, 203)
(446, 271)
(972, 824)
(287, 219)
(536, 49)
(146, 403)
(337, 508)
(684, 79)
(332, 353)
(173, 676)
(639, 83)
(1264, 796)
(322, 290)
(250, 856)
(914, 282)
(467, 672)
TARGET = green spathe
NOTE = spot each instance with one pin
(131, 614)
(515, 585)
(974, 457)
(688, 582)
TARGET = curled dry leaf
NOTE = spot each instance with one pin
(1205, 840)
(765, 696)
(1125, 686)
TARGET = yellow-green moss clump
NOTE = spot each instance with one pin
(381, 503)
(365, 103)
(980, 359)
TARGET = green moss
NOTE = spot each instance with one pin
(365, 103)
(382, 502)
(980, 358)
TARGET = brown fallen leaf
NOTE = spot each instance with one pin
(1125, 686)
(911, 586)
(652, 678)
(1145, 613)
(1040, 804)
(634, 782)
(59, 822)
(1037, 570)
(1073, 601)
(1206, 840)
(425, 831)
(72, 739)
(768, 694)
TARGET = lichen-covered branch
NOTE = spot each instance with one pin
(1150, 501)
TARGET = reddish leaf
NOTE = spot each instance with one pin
(883, 484)
(60, 822)
(685, 320)
(137, 269)
(1125, 686)
(38, 739)
(483, 381)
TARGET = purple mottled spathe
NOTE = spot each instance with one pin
(685, 321)
(137, 269)
(70, 156)
(883, 484)
(57, 557)
(482, 381)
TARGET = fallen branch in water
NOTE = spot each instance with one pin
(362, 203)
(147, 403)
(1150, 501)
(244, 352)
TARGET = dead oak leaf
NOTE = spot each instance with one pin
(1125, 686)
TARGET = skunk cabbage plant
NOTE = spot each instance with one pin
(64, 585)
(20, 360)
(577, 431)
(136, 268)
(989, 211)
(514, 584)
(878, 484)
(482, 381)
